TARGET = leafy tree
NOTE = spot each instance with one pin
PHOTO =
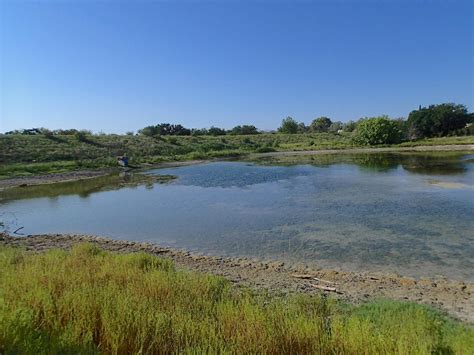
(148, 131)
(288, 125)
(165, 129)
(215, 131)
(243, 130)
(199, 132)
(349, 126)
(437, 120)
(377, 130)
(320, 124)
(302, 128)
(335, 127)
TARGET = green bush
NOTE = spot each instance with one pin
(377, 130)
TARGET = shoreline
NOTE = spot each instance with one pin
(77, 175)
(456, 298)
(420, 148)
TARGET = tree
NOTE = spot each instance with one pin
(148, 131)
(320, 124)
(165, 129)
(302, 128)
(335, 127)
(243, 130)
(215, 131)
(437, 120)
(377, 130)
(349, 126)
(288, 125)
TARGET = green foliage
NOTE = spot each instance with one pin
(302, 128)
(265, 149)
(216, 131)
(91, 301)
(81, 136)
(165, 129)
(24, 155)
(349, 126)
(320, 125)
(289, 126)
(437, 120)
(243, 130)
(335, 127)
(377, 130)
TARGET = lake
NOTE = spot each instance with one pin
(405, 213)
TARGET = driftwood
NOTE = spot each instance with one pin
(303, 276)
(327, 289)
(311, 277)
(325, 281)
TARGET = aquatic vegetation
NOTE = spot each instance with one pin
(89, 301)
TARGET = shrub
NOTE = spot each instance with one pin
(288, 125)
(377, 130)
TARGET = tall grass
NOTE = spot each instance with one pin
(88, 301)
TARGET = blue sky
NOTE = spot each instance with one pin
(119, 66)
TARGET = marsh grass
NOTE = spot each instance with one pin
(89, 301)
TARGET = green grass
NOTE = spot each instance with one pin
(23, 155)
(89, 301)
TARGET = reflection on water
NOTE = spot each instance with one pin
(407, 213)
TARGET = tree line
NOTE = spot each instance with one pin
(425, 122)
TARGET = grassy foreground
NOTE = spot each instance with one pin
(88, 301)
(24, 155)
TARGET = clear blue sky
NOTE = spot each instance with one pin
(119, 66)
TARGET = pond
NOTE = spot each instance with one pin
(405, 213)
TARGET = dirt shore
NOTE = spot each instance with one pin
(454, 297)
(421, 148)
(81, 175)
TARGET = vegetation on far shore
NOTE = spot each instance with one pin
(89, 301)
(36, 151)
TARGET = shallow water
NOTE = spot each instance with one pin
(405, 213)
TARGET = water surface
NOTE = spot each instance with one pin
(406, 213)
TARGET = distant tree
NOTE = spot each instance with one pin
(349, 126)
(302, 128)
(215, 131)
(288, 125)
(199, 132)
(320, 124)
(148, 131)
(377, 130)
(66, 132)
(165, 129)
(81, 135)
(46, 132)
(129, 133)
(335, 127)
(402, 125)
(243, 130)
(437, 120)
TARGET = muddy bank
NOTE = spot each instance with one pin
(421, 148)
(454, 297)
(53, 178)
(78, 175)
